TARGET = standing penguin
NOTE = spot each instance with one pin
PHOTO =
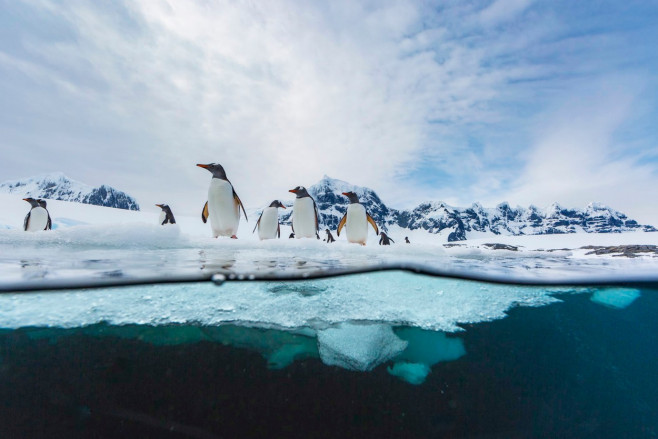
(268, 224)
(304, 214)
(223, 205)
(166, 217)
(356, 221)
(330, 237)
(406, 239)
(38, 217)
(385, 239)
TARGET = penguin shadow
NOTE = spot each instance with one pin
(215, 264)
(33, 269)
(304, 289)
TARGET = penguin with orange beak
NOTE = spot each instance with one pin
(356, 221)
(223, 205)
(38, 217)
(305, 215)
(166, 216)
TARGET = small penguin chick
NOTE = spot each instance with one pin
(385, 239)
(330, 237)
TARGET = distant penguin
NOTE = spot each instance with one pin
(385, 239)
(223, 205)
(38, 217)
(268, 224)
(330, 237)
(406, 239)
(356, 221)
(292, 236)
(166, 217)
(304, 214)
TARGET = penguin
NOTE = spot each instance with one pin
(166, 217)
(292, 236)
(304, 214)
(385, 239)
(223, 205)
(330, 237)
(356, 221)
(406, 239)
(268, 224)
(38, 217)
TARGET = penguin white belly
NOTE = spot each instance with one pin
(38, 219)
(269, 222)
(222, 208)
(303, 218)
(162, 217)
(356, 224)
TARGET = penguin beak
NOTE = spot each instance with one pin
(203, 166)
(294, 191)
(346, 194)
(159, 205)
(282, 206)
(26, 199)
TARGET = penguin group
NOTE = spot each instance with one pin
(224, 208)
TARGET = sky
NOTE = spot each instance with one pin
(524, 101)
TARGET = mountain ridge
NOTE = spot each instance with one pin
(57, 186)
(457, 222)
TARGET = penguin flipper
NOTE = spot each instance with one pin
(26, 222)
(391, 239)
(257, 222)
(372, 223)
(341, 224)
(278, 230)
(236, 198)
(204, 213)
(317, 216)
(49, 224)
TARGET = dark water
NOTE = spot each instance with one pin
(569, 369)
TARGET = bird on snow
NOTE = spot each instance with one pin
(38, 217)
(268, 224)
(384, 239)
(406, 239)
(223, 205)
(330, 237)
(166, 216)
(304, 214)
(356, 221)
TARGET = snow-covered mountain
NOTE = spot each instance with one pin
(57, 186)
(457, 222)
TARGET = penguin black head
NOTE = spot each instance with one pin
(216, 169)
(354, 198)
(277, 203)
(300, 191)
(42, 203)
(163, 206)
(32, 201)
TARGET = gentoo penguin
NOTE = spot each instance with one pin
(268, 223)
(406, 239)
(223, 205)
(38, 217)
(304, 214)
(292, 235)
(330, 237)
(385, 239)
(166, 217)
(356, 221)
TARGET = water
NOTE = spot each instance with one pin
(389, 354)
